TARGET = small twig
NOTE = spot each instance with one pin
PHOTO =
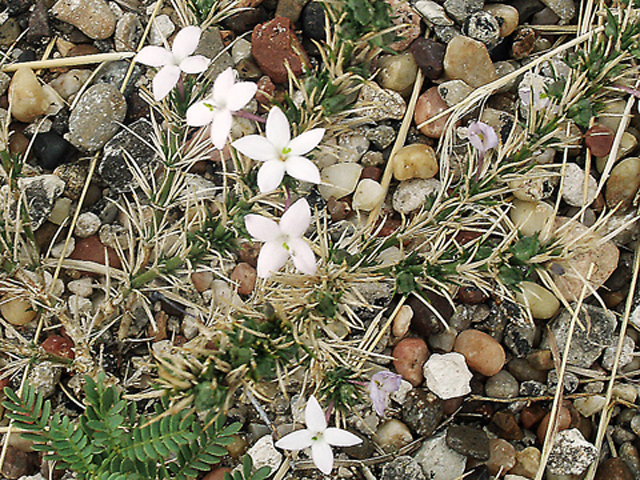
(69, 61)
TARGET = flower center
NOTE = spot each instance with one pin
(317, 437)
(283, 155)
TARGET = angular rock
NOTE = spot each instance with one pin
(402, 468)
(483, 27)
(410, 195)
(571, 453)
(439, 461)
(375, 103)
(460, 10)
(432, 12)
(422, 411)
(404, 15)
(468, 441)
(92, 17)
(274, 44)
(212, 46)
(447, 375)
(429, 105)
(429, 56)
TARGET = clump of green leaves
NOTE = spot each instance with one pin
(365, 16)
(340, 386)
(112, 441)
(245, 473)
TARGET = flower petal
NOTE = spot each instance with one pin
(271, 259)
(270, 175)
(278, 129)
(303, 169)
(200, 113)
(341, 438)
(314, 416)
(195, 64)
(261, 228)
(306, 142)
(255, 147)
(240, 94)
(296, 219)
(378, 399)
(165, 80)
(186, 42)
(222, 86)
(296, 440)
(322, 456)
(220, 128)
(302, 255)
(154, 56)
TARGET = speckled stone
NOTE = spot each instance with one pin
(571, 453)
(469, 441)
(439, 461)
(94, 18)
(403, 14)
(460, 10)
(422, 411)
(484, 27)
(412, 194)
(468, 60)
(402, 468)
(375, 103)
(96, 117)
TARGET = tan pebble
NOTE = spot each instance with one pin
(527, 462)
(429, 105)
(202, 280)
(409, 357)
(482, 352)
(393, 435)
(506, 15)
(563, 422)
(398, 72)
(533, 217)
(26, 96)
(217, 473)
(628, 144)
(402, 321)
(16, 311)
(612, 113)
(541, 302)
(92, 17)
(623, 183)
(502, 456)
(468, 60)
(415, 161)
(237, 448)
(245, 275)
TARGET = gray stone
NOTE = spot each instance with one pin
(422, 411)
(412, 194)
(377, 295)
(128, 32)
(532, 388)
(469, 441)
(460, 10)
(132, 145)
(439, 461)
(484, 27)
(446, 33)
(114, 74)
(96, 118)
(382, 136)
(402, 468)
(565, 9)
(571, 453)
(211, 46)
(501, 385)
(432, 13)
(44, 378)
(626, 355)
(375, 103)
(454, 91)
(593, 332)
(41, 193)
(570, 382)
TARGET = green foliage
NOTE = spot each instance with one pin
(365, 16)
(406, 273)
(111, 441)
(245, 473)
(327, 303)
(340, 386)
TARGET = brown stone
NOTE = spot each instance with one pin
(483, 353)
(502, 456)
(274, 45)
(599, 139)
(374, 173)
(468, 60)
(563, 422)
(249, 252)
(266, 89)
(471, 295)
(59, 346)
(94, 18)
(506, 426)
(430, 104)
(428, 320)
(91, 249)
(613, 469)
(531, 415)
(19, 464)
(245, 276)
(338, 209)
(410, 354)
(429, 56)
(402, 13)
(524, 40)
(217, 473)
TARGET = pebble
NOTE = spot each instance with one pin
(628, 144)
(339, 180)
(290, 9)
(603, 256)
(422, 412)
(448, 375)
(44, 378)
(405, 17)
(573, 187)
(586, 344)
(430, 104)
(527, 462)
(218, 473)
(468, 60)
(91, 249)
(41, 193)
(9, 32)
(352, 146)
(625, 392)
(533, 217)
(58, 249)
(454, 91)
(375, 103)
(506, 15)
(613, 469)
(127, 33)
(599, 139)
(69, 83)
(392, 435)
(264, 454)
(26, 96)
(534, 187)
(469, 441)
(483, 27)
(274, 44)
(82, 287)
(368, 195)
(115, 168)
(443, 342)
(17, 311)
(410, 195)
(590, 405)
(398, 72)
(88, 224)
(565, 9)
(460, 10)
(570, 381)
(245, 276)
(96, 117)
(430, 319)
(380, 137)
(501, 385)
(571, 454)
(59, 346)
(402, 321)
(94, 18)
(439, 461)
(114, 73)
(161, 29)
(313, 21)
(402, 468)
(612, 113)
(429, 57)
(524, 43)
(483, 353)
(410, 354)
(51, 150)
(623, 184)
(115, 236)
(433, 13)
(542, 304)
(415, 161)
(502, 456)
(626, 354)
(79, 305)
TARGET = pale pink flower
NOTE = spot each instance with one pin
(382, 384)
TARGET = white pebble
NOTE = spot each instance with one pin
(79, 305)
(447, 375)
(57, 249)
(88, 224)
(368, 195)
(412, 194)
(82, 287)
(573, 187)
(161, 29)
(339, 180)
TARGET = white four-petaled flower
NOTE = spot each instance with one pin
(227, 97)
(280, 153)
(283, 240)
(173, 61)
(318, 437)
